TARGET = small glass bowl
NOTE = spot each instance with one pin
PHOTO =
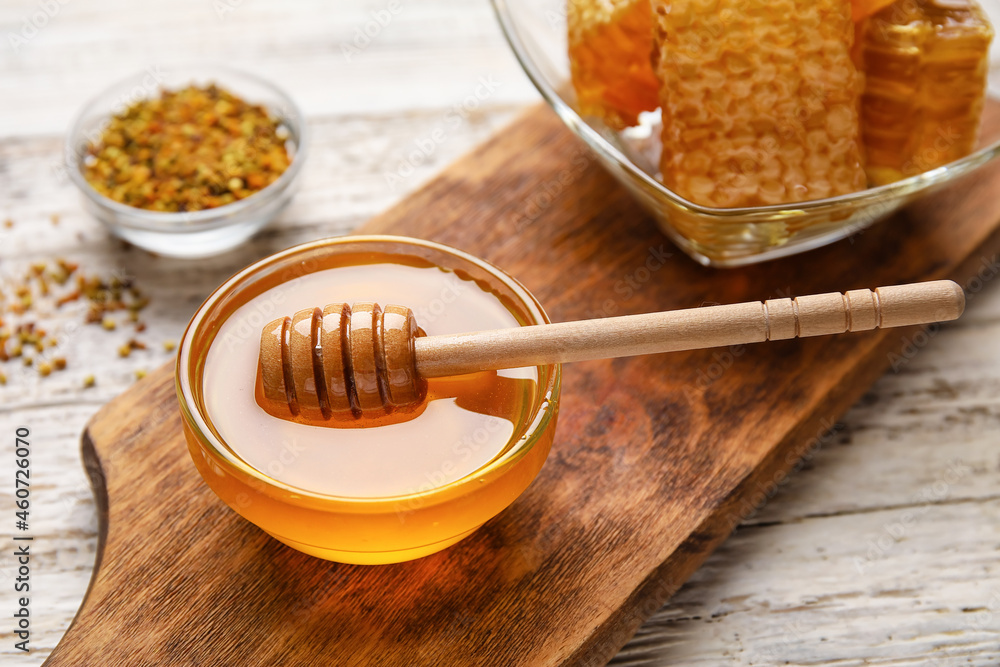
(196, 233)
(536, 30)
(369, 530)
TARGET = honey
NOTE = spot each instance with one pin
(759, 100)
(378, 491)
(464, 423)
(926, 63)
(862, 9)
(610, 52)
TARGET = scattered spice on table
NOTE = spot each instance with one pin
(36, 300)
(187, 150)
(133, 344)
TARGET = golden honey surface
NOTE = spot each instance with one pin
(465, 423)
(862, 9)
(926, 63)
(610, 50)
(760, 100)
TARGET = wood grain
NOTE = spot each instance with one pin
(287, 347)
(656, 461)
(689, 329)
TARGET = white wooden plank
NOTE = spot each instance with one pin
(806, 593)
(62, 521)
(447, 46)
(937, 419)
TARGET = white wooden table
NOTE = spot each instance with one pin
(883, 550)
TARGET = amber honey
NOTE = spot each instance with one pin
(926, 63)
(610, 55)
(366, 492)
(464, 423)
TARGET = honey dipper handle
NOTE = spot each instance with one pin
(697, 328)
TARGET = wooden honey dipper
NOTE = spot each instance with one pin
(346, 362)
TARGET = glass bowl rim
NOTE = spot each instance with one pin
(188, 221)
(604, 148)
(536, 427)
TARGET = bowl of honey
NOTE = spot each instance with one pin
(368, 491)
(752, 130)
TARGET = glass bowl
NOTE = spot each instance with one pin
(196, 233)
(364, 530)
(536, 30)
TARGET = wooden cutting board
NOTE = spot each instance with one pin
(656, 460)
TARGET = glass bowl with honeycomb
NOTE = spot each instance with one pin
(757, 129)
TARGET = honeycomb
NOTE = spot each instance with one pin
(926, 63)
(610, 50)
(760, 100)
